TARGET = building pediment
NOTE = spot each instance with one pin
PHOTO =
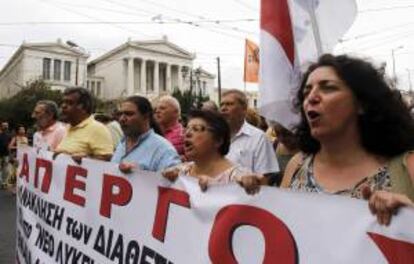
(163, 47)
(58, 48)
(154, 46)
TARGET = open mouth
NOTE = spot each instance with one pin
(313, 115)
(188, 145)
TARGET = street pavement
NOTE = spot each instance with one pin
(7, 227)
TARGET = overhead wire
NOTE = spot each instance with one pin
(376, 36)
(389, 40)
(181, 21)
(200, 21)
(216, 23)
(381, 41)
(191, 15)
(245, 5)
(376, 32)
(372, 39)
(382, 9)
(111, 10)
(22, 23)
(92, 18)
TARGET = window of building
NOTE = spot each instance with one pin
(98, 89)
(91, 69)
(93, 87)
(87, 84)
(57, 65)
(66, 72)
(46, 68)
(204, 87)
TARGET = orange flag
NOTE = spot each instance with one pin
(251, 62)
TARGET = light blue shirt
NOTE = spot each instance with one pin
(152, 153)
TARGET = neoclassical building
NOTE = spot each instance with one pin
(57, 63)
(148, 68)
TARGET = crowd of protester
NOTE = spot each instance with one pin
(354, 138)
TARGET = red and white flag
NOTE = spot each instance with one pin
(294, 33)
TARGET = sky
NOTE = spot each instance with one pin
(210, 29)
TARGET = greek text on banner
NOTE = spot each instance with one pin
(92, 213)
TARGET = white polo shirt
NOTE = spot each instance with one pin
(251, 149)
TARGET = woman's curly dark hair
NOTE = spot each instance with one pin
(385, 125)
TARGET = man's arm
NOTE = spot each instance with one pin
(106, 157)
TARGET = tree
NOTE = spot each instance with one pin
(188, 101)
(18, 108)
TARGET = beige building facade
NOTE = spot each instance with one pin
(59, 64)
(147, 68)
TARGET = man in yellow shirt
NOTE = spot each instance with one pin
(85, 136)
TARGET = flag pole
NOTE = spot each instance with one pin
(219, 80)
(315, 28)
(245, 62)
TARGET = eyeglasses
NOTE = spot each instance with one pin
(197, 128)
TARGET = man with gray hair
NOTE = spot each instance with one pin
(209, 106)
(249, 146)
(167, 116)
(50, 131)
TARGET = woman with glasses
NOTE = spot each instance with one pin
(206, 142)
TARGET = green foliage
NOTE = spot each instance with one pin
(18, 109)
(107, 107)
(200, 99)
(188, 100)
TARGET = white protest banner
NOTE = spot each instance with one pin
(92, 213)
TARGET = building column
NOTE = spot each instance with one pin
(143, 76)
(130, 87)
(156, 78)
(168, 78)
(180, 77)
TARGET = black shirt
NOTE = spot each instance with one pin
(4, 143)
